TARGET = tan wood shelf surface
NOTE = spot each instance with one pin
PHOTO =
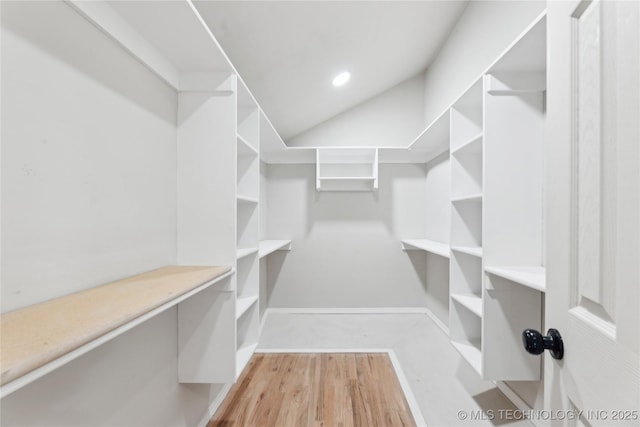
(39, 334)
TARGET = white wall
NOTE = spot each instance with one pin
(392, 118)
(88, 196)
(438, 216)
(484, 31)
(346, 245)
(89, 163)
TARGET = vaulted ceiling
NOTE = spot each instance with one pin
(289, 51)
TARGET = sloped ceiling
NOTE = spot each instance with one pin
(289, 51)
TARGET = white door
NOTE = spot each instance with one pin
(593, 215)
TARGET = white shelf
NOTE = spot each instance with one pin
(347, 169)
(468, 198)
(346, 184)
(245, 199)
(241, 253)
(532, 277)
(243, 356)
(469, 250)
(471, 353)
(527, 52)
(427, 245)
(434, 139)
(470, 301)
(244, 304)
(78, 329)
(347, 178)
(267, 247)
(516, 84)
(171, 58)
(245, 148)
(472, 146)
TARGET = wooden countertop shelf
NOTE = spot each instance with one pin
(42, 337)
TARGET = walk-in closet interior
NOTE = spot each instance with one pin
(173, 202)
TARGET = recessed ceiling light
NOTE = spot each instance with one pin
(341, 79)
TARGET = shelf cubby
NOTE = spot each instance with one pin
(470, 147)
(465, 332)
(466, 223)
(466, 116)
(243, 304)
(248, 175)
(245, 149)
(472, 302)
(247, 223)
(466, 174)
(470, 352)
(247, 329)
(465, 273)
(247, 276)
(243, 355)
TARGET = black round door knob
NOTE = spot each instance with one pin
(536, 343)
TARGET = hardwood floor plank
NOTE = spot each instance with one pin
(325, 389)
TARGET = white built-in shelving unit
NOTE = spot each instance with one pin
(228, 328)
(346, 169)
(513, 228)
(433, 141)
(494, 135)
(465, 267)
(248, 226)
(220, 128)
(497, 277)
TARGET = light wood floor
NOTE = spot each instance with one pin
(326, 389)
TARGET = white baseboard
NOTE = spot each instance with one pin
(215, 405)
(357, 310)
(439, 323)
(347, 310)
(414, 407)
(323, 350)
(514, 398)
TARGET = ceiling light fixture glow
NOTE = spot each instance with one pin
(341, 79)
